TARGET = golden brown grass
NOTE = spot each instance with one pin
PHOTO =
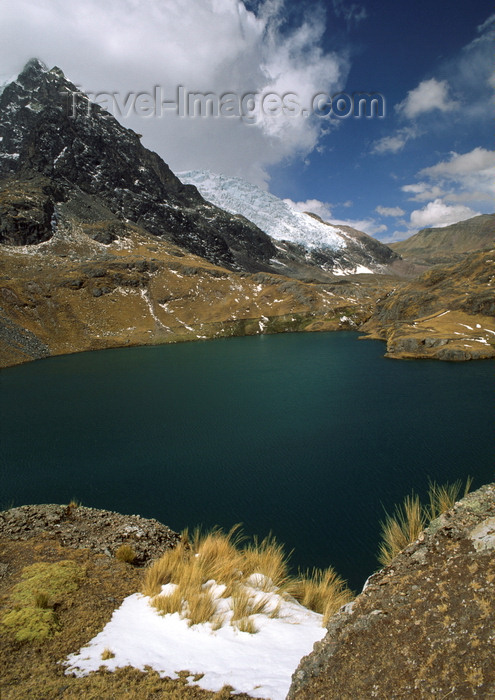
(409, 519)
(442, 497)
(170, 565)
(269, 559)
(172, 603)
(126, 554)
(245, 603)
(246, 624)
(201, 606)
(321, 590)
(401, 528)
(218, 556)
(107, 654)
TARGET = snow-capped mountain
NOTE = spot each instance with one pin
(272, 215)
(49, 128)
(340, 250)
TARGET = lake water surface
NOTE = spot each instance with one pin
(309, 435)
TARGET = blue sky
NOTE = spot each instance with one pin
(364, 165)
(427, 162)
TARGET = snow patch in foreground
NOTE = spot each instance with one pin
(259, 664)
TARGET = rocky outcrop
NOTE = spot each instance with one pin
(78, 527)
(447, 313)
(423, 626)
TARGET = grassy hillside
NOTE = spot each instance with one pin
(447, 313)
(442, 245)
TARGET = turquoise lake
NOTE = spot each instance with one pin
(307, 435)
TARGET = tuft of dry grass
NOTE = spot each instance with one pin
(107, 654)
(245, 603)
(172, 603)
(442, 497)
(246, 624)
(401, 528)
(168, 567)
(269, 559)
(217, 556)
(409, 519)
(126, 554)
(321, 590)
(201, 606)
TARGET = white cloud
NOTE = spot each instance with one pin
(464, 179)
(423, 191)
(213, 46)
(314, 206)
(368, 226)
(476, 58)
(322, 209)
(438, 214)
(479, 161)
(389, 144)
(394, 143)
(389, 211)
(351, 12)
(427, 96)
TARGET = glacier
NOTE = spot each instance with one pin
(271, 214)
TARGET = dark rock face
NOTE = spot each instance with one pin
(26, 211)
(423, 626)
(47, 127)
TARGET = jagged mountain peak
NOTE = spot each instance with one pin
(48, 127)
(34, 66)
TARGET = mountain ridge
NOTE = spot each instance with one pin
(448, 243)
(48, 127)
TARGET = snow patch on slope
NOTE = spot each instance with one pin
(271, 214)
(259, 664)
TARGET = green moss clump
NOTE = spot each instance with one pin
(30, 623)
(55, 580)
(42, 586)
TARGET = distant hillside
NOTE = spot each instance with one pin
(448, 313)
(442, 245)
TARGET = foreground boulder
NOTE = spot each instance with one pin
(423, 626)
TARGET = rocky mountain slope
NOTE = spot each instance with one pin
(101, 245)
(75, 292)
(338, 249)
(448, 313)
(47, 127)
(423, 626)
(448, 244)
